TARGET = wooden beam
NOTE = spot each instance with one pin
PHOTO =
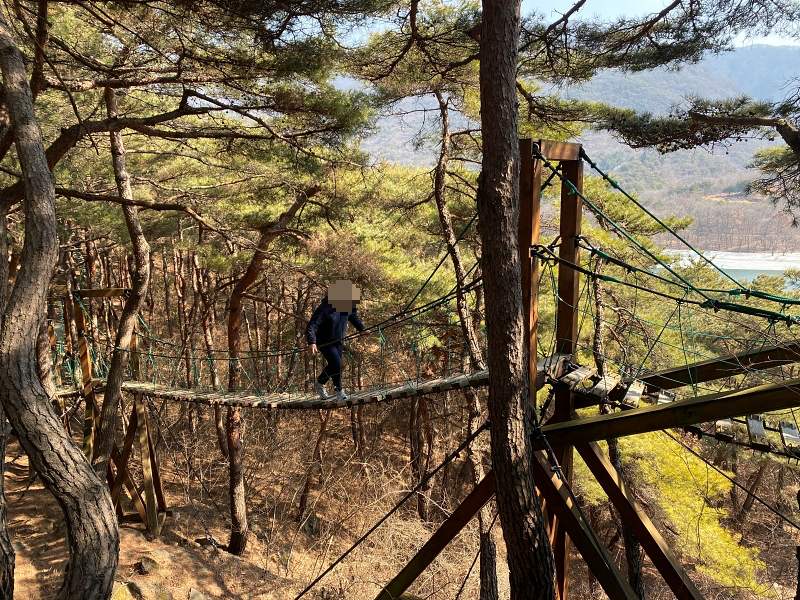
(567, 336)
(479, 496)
(102, 292)
(636, 519)
(553, 150)
(147, 466)
(764, 398)
(88, 384)
(528, 230)
(560, 502)
(724, 366)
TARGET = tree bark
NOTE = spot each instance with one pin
(208, 338)
(234, 424)
(530, 557)
(7, 555)
(316, 461)
(92, 534)
(747, 506)
(141, 280)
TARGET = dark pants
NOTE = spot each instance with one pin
(333, 370)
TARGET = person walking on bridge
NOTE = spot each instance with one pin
(326, 330)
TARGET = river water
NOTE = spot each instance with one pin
(747, 265)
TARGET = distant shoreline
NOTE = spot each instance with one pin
(765, 262)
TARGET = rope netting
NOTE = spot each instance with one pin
(420, 345)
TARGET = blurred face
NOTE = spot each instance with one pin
(343, 295)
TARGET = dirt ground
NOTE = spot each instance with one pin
(38, 532)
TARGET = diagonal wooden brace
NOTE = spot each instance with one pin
(634, 517)
(479, 496)
(560, 503)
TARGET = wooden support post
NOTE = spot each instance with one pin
(476, 499)
(86, 374)
(566, 340)
(54, 352)
(597, 559)
(153, 521)
(530, 184)
(134, 362)
(634, 517)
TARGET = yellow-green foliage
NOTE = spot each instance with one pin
(684, 489)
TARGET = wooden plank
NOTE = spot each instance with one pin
(567, 330)
(764, 398)
(528, 230)
(157, 485)
(603, 388)
(633, 395)
(88, 384)
(558, 151)
(552, 366)
(147, 470)
(136, 497)
(757, 433)
(102, 292)
(723, 430)
(127, 445)
(790, 437)
(476, 499)
(575, 378)
(596, 557)
(636, 519)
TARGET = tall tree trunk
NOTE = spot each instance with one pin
(530, 557)
(7, 555)
(234, 424)
(747, 506)
(488, 564)
(92, 534)
(166, 293)
(208, 338)
(104, 441)
(446, 222)
(316, 462)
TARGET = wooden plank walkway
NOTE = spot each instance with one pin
(294, 401)
(310, 401)
(550, 366)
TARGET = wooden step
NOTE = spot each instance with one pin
(723, 430)
(602, 388)
(757, 433)
(790, 437)
(664, 398)
(633, 395)
(552, 367)
(575, 378)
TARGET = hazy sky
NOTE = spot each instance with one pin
(610, 9)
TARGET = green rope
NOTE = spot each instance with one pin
(616, 186)
(441, 262)
(618, 227)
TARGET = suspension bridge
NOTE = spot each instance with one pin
(421, 351)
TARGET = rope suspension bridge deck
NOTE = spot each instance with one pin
(309, 401)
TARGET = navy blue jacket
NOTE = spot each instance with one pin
(329, 325)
